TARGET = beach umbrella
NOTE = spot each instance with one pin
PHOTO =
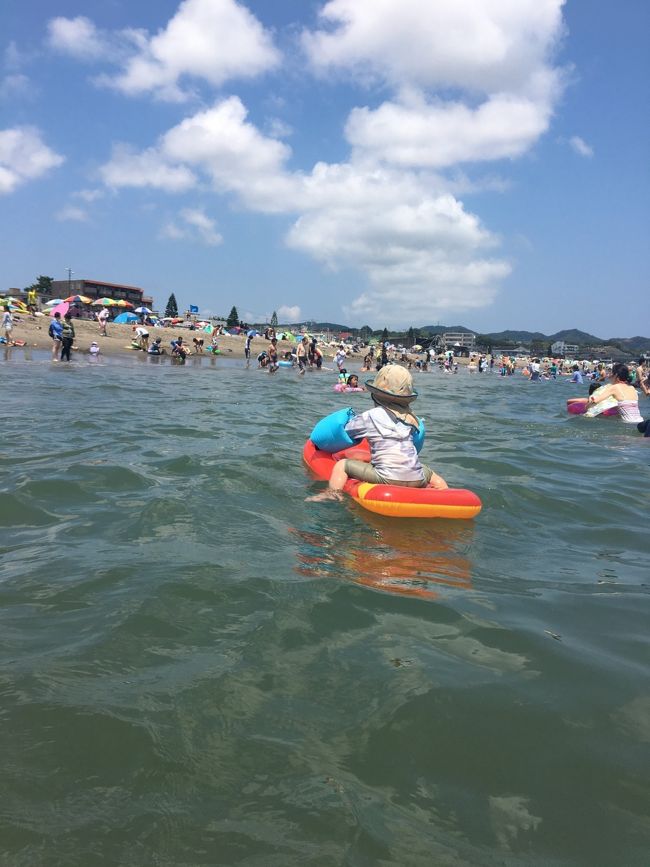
(83, 299)
(142, 310)
(104, 302)
(54, 302)
(123, 303)
(61, 308)
(125, 317)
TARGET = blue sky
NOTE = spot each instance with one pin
(361, 161)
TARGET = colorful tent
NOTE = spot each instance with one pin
(126, 317)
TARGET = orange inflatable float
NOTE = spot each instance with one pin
(394, 501)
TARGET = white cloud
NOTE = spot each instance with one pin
(72, 213)
(207, 40)
(473, 79)
(195, 225)
(581, 147)
(287, 315)
(146, 169)
(24, 157)
(444, 134)
(414, 241)
(204, 226)
(478, 45)
(77, 37)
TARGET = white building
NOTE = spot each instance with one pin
(562, 348)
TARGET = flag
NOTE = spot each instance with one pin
(194, 308)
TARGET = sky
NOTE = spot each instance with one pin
(367, 162)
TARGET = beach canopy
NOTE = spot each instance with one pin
(83, 299)
(104, 302)
(61, 308)
(125, 317)
(54, 302)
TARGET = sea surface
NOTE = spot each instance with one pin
(197, 667)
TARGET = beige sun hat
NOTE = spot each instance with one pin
(393, 384)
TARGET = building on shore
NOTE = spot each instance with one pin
(562, 349)
(459, 340)
(99, 289)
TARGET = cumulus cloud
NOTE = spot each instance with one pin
(473, 79)
(24, 156)
(289, 314)
(464, 82)
(581, 147)
(443, 134)
(194, 225)
(476, 45)
(412, 238)
(208, 40)
(77, 37)
(149, 168)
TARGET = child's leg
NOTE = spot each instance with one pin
(433, 480)
(336, 483)
(339, 477)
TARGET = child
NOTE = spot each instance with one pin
(389, 429)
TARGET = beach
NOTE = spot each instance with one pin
(118, 342)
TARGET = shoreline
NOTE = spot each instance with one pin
(117, 344)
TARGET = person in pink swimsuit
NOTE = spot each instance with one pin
(626, 395)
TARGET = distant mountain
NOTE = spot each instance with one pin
(573, 335)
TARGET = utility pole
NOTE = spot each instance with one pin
(70, 273)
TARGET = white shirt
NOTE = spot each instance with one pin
(392, 450)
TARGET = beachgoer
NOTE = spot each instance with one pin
(642, 378)
(7, 324)
(577, 376)
(302, 355)
(93, 349)
(263, 359)
(156, 348)
(315, 356)
(102, 318)
(143, 337)
(198, 345)
(272, 352)
(56, 331)
(625, 394)
(67, 337)
(247, 345)
(340, 357)
(389, 429)
(179, 350)
(535, 369)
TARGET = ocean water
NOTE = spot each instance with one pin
(197, 667)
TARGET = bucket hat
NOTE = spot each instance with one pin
(392, 385)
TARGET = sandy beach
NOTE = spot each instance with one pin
(118, 342)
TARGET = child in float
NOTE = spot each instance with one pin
(389, 429)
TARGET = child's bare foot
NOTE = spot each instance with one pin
(438, 484)
(327, 494)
